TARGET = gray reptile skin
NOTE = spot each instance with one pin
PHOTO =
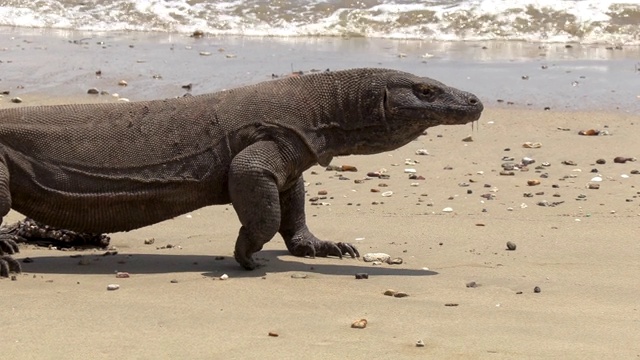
(104, 168)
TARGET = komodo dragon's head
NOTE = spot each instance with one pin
(401, 107)
(427, 102)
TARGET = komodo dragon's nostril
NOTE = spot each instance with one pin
(473, 100)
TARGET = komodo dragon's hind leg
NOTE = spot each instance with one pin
(8, 243)
(293, 228)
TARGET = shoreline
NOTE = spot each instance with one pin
(157, 65)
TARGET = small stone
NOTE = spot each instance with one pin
(112, 287)
(350, 168)
(511, 246)
(16, 100)
(536, 289)
(533, 182)
(360, 276)
(422, 152)
(472, 284)
(451, 304)
(27, 260)
(122, 275)
(149, 241)
(322, 192)
(174, 281)
(447, 210)
(273, 334)
(601, 161)
(370, 257)
(14, 278)
(569, 162)
(400, 294)
(394, 261)
(93, 91)
(299, 276)
(387, 193)
(389, 292)
(420, 343)
(197, 34)
(593, 186)
(590, 132)
(622, 160)
(359, 324)
(468, 138)
(224, 277)
(122, 83)
(205, 53)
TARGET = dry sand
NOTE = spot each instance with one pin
(582, 254)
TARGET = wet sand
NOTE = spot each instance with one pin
(581, 253)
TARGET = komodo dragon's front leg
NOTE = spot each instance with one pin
(268, 199)
(293, 228)
(8, 243)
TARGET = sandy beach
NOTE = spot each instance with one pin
(576, 244)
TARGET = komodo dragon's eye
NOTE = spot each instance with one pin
(425, 92)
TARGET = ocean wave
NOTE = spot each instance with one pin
(585, 21)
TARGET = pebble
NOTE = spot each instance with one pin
(601, 161)
(622, 160)
(447, 210)
(410, 171)
(273, 334)
(533, 182)
(472, 284)
(596, 179)
(93, 91)
(532, 145)
(205, 53)
(112, 287)
(350, 168)
(224, 277)
(590, 132)
(299, 276)
(387, 193)
(395, 261)
(122, 275)
(174, 281)
(370, 257)
(359, 324)
(468, 138)
(122, 83)
(360, 276)
(420, 343)
(16, 100)
(593, 186)
(400, 294)
(422, 152)
(389, 292)
(536, 289)
(511, 245)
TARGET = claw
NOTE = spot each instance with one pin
(8, 245)
(8, 265)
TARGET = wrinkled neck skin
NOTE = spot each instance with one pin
(370, 129)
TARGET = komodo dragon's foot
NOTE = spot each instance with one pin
(311, 246)
(8, 246)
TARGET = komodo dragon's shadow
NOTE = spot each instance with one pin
(275, 261)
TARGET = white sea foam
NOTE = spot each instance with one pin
(587, 21)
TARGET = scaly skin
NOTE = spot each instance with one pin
(115, 167)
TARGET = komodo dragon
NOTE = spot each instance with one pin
(104, 168)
